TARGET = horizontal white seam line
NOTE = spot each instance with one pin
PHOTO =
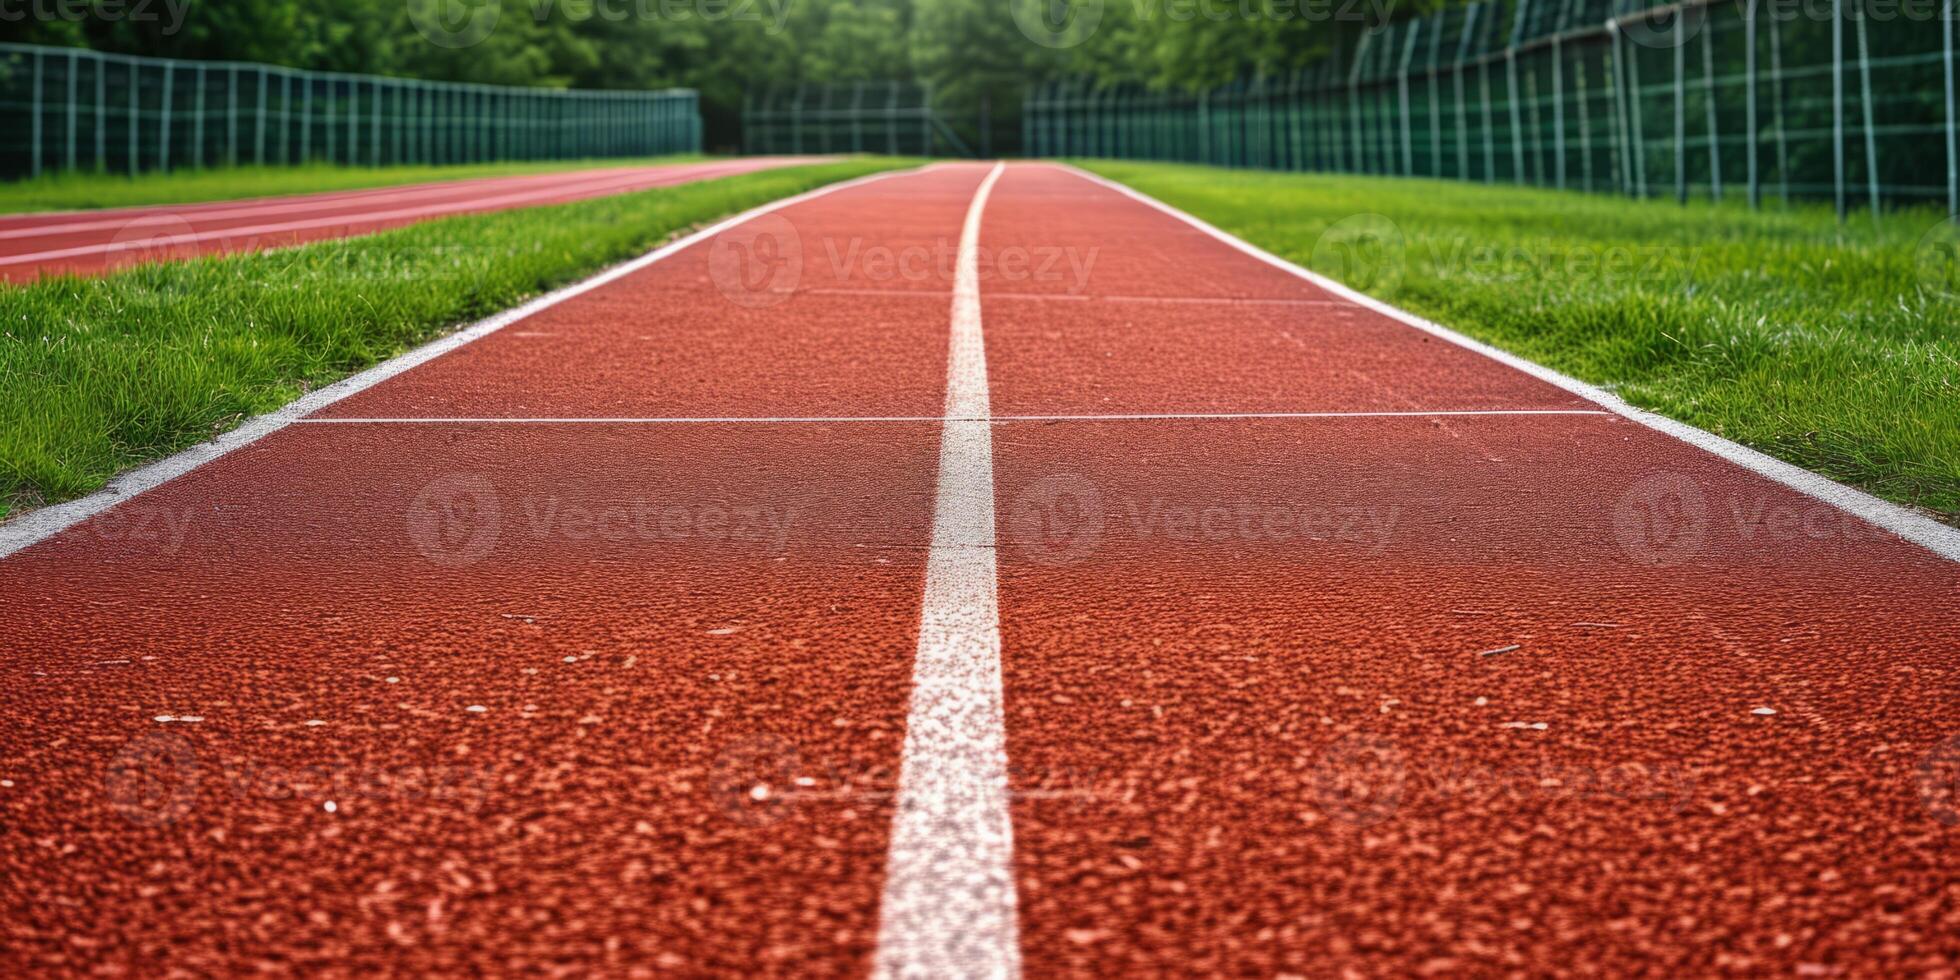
(764, 419)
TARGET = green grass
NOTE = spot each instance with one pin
(100, 375)
(70, 191)
(1834, 349)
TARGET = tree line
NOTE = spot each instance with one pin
(968, 51)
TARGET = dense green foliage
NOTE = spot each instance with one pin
(1830, 347)
(97, 375)
(966, 49)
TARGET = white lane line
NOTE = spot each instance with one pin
(814, 419)
(39, 525)
(1916, 528)
(273, 207)
(589, 189)
(949, 904)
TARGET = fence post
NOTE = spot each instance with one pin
(1408, 52)
(1865, 89)
(101, 114)
(1952, 157)
(1517, 127)
(258, 131)
(74, 69)
(1680, 107)
(197, 121)
(163, 129)
(1837, 106)
(1749, 99)
(1714, 139)
(135, 117)
(1558, 113)
(1585, 125)
(40, 71)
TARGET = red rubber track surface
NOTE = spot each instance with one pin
(656, 620)
(1247, 692)
(96, 242)
(1315, 696)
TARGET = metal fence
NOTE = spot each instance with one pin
(1844, 100)
(858, 117)
(73, 109)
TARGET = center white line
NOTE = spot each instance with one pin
(949, 905)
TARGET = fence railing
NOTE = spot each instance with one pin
(1845, 100)
(74, 109)
(856, 117)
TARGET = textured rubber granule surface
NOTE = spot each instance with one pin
(467, 674)
(595, 697)
(96, 242)
(1446, 694)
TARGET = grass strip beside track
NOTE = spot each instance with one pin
(1834, 349)
(73, 191)
(100, 375)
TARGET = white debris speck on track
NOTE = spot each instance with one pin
(1763, 711)
(1537, 726)
(6, 784)
(331, 807)
(759, 792)
(184, 719)
(476, 708)
(314, 722)
(394, 680)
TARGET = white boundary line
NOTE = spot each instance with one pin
(39, 525)
(800, 419)
(949, 903)
(597, 187)
(1918, 529)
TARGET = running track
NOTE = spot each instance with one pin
(826, 597)
(95, 242)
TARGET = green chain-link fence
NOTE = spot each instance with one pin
(73, 109)
(1845, 100)
(851, 117)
